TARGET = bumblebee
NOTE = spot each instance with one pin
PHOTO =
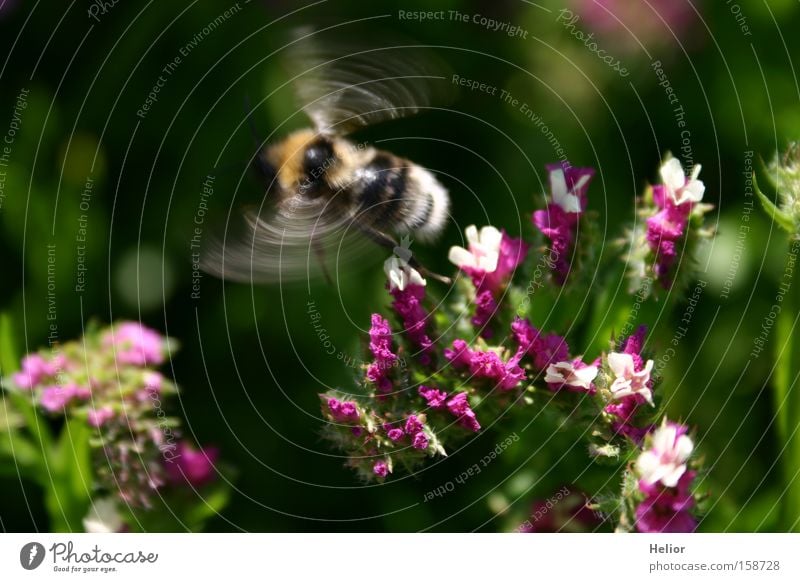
(324, 191)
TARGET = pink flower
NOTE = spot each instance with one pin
(626, 406)
(629, 25)
(488, 365)
(153, 381)
(665, 461)
(435, 398)
(512, 253)
(628, 381)
(342, 411)
(667, 510)
(679, 188)
(35, 369)
(542, 349)
(152, 386)
(568, 186)
(665, 481)
(485, 308)
(380, 335)
(492, 271)
(380, 345)
(574, 374)
(675, 199)
(380, 468)
(420, 441)
(483, 252)
(559, 220)
(655, 517)
(408, 305)
(136, 344)
(413, 425)
(460, 408)
(634, 346)
(460, 355)
(55, 398)
(665, 229)
(395, 434)
(490, 261)
(99, 417)
(192, 466)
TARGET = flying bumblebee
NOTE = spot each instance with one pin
(325, 193)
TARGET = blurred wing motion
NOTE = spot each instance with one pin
(343, 85)
(297, 241)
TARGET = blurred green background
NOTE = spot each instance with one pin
(251, 364)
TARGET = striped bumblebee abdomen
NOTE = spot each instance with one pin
(392, 192)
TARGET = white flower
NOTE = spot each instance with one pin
(680, 188)
(628, 381)
(567, 373)
(484, 249)
(401, 274)
(103, 517)
(563, 196)
(666, 460)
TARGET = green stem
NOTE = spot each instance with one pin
(786, 397)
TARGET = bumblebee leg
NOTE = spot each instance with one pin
(320, 252)
(426, 273)
(389, 242)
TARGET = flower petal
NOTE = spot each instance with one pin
(461, 257)
(621, 364)
(672, 174)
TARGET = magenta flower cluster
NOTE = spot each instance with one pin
(345, 412)
(106, 379)
(624, 411)
(490, 260)
(542, 350)
(674, 202)
(667, 509)
(393, 421)
(486, 365)
(665, 482)
(408, 306)
(458, 405)
(560, 219)
(380, 344)
(419, 396)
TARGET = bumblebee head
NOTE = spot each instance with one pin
(302, 160)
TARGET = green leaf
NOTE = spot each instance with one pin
(18, 456)
(10, 419)
(786, 397)
(214, 499)
(79, 473)
(9, 359)
(70, 483)
(778, 216)
(23, 403)
(784, 373)
(180, 509)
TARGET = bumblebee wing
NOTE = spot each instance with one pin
(301, 240)
(344, 86)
